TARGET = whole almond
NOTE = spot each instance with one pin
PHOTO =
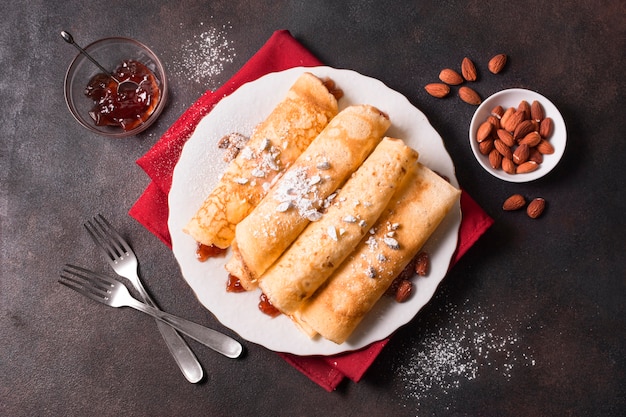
(495, 121)
(497, 63)
(545, 147)
(511, 122)
(521, 154)
(525, 107)
(526, 167)
(522, 129)
(485, 146)
(546, 127)
(484, 131)
(469, 96)
(439, 90)
(497, 111)
(508, 113)
(535, 125)
(509, 166)
(514, 202)
(495, 159)
(505, 137)
(536, 111)
(468, 69)
(535, 155)
(404, 290)
(503, 149)
(531, 139)
(422, 264)
(450, 76)
(535, 208)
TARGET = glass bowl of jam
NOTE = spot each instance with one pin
(124, 101)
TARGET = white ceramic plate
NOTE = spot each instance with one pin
(512, 98)
(198, 170)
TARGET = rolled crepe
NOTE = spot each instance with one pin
(413, 214)
(273, 146)
(324, 244)
(297, 198)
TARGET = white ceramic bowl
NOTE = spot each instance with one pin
(512, 98)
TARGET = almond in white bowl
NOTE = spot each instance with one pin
(518, 135)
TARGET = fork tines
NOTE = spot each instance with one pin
(109, 240)
(86, 282)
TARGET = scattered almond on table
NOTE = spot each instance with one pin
(450, 77)
(497, 63)
(534, 209)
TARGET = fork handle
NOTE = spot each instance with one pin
(181, 352)
(213, 339)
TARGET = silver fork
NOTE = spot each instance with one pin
(113, 293)
(124, 262)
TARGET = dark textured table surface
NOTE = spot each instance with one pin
(529, 323)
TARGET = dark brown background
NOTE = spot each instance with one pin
(529, 323)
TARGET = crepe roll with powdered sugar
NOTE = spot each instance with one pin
(273, 146)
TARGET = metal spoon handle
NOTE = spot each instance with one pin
(67, 37)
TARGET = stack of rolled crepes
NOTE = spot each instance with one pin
(332, 228)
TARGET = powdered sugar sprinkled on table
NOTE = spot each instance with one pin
(459, 350)
(204, 56)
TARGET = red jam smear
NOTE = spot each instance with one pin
(204, 252)
(233, 284)
(266, 307)
(128, 104)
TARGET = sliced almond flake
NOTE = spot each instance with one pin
(381, 257)
(370, 272)
(391, 234)
(393, 226)
(283, 207)
(259, 173)
(241, 181)
(332, 232)
(372, 243)
(264, 145)
(313, 215)
(269, 161)
(391, 243)
(363, 223)
(349, 219)
(315, 179)
(247, 153)
(342, 231)
(324, 165)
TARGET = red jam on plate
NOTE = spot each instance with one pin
(128, 104)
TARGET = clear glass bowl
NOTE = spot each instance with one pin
(110, 53)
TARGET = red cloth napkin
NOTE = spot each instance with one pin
(280, 52)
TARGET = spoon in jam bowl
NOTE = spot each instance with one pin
(122, 86)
